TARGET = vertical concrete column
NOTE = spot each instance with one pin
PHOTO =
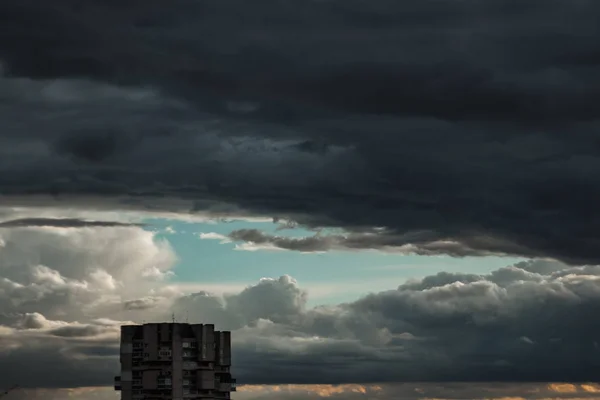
(209, 340)
(177, 353)
(150, 342)
(127, 333)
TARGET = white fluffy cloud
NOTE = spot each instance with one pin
(62, 299)
(79, 273)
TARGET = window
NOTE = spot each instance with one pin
(186, 344)
(193, 344)
(164, 382)
(190, 364)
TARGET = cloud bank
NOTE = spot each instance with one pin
(472, 121)
(64, 292)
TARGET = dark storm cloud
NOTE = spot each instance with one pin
(54, 354)
(60, 223)
(473, 120)
(52, 367)
(498, 59)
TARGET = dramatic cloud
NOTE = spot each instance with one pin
(430, 127)
(533, 321)
(76, 273)
(64, 293)
(515, 324)
(472, 121)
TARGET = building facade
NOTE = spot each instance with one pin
(174, 361)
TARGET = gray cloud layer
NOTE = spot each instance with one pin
(466, 119)
(515, 324)
(63, 299)
(420, 243)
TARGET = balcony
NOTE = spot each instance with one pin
(228, 385)
(189, 355)
(198, 394)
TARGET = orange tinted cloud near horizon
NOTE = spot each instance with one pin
(563, 387)
(571, 388)
(319, 390)
(542, 391)
(591, 387)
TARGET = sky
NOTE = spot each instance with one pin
(207, 256)
(380, 199)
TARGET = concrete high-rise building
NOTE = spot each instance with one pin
(174, 361)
